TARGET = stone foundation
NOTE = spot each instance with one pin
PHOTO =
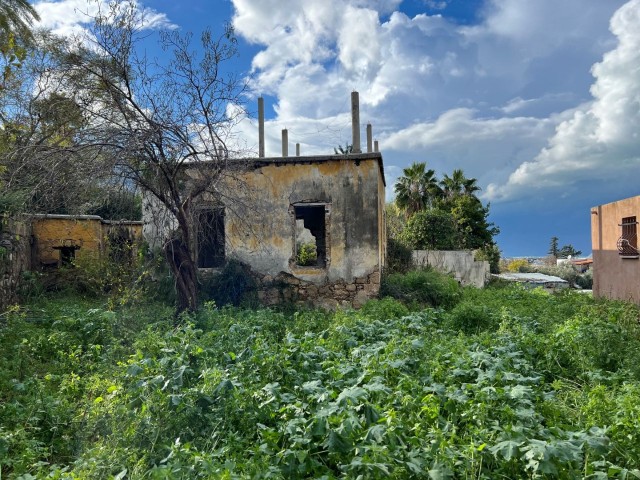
(286, 288)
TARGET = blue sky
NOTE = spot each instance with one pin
(538, 100)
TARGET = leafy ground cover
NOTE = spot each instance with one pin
(506, 383)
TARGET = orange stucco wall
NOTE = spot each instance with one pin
(88, 234)
(614, 276)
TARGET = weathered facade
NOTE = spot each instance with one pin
(461, 264)
(311, 228)
(616, 258)
(45, 242)
(58, 240)
(330, 208)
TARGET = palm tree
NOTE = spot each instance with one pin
(16, 18)
(457, 184)
(417, 189)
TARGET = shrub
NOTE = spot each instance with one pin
(384, 309)
(490, 253)
(519, 265)
(426, 287)
(307, 254)
(471, 318)
(432, 230)
(234, 285)
(398, 257)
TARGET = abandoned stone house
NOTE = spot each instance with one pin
(311, 228)
(40, 242)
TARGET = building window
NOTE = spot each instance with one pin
(67, 256)
(211, 239)
(628, 242)
(311, 245)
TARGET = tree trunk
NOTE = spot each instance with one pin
(179, 257)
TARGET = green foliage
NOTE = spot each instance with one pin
(306, 254)
(519, 265)
(553, 247)
(568, 251)
(117, 205)
(424, 287)
(346, 150)
(399, 257)
(431, 230)
(417, 189)
(442, 215)
(233, 285)
(508, 383)
(490, 253)
(471, 220)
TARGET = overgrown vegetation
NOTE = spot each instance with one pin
(502, 383)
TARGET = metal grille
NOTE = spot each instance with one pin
(628, 241)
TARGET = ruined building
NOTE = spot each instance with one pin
(311, 228)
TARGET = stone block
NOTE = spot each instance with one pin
(360, 299)
(374, 277)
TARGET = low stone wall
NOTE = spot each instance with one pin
(285, 288)
(459, 263)
(15, 257)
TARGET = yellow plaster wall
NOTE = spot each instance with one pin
(259, 227)
(88, 235)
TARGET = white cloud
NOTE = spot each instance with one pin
(70, 17)
(601, 140)
(487, 98)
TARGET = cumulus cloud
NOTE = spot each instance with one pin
(600, 141)
(503, 99)
(70, 17)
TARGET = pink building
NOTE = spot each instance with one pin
(616, 258)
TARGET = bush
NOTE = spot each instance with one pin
(585, 280)
(432, 230)
(491, 254)
(307, 254)
(519, 265)
(384, 309)
(426, 287)
(471, 318)
(234, 285)
(398, 257)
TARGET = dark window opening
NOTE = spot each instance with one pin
(311, 247)
(628, 242)
(211, 238)
(67, 256)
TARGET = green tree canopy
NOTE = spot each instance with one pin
(553, 247)
(431, 229)
(457, 184)
(417, 189)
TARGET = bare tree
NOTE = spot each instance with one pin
(41, 167)
(155, 120)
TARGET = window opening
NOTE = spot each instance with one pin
(211, 238)
(311, 245)
(628, 242)
(67, 256)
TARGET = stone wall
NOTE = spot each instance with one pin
(286, 288)
(15, 257)
(459, 263)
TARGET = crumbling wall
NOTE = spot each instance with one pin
(15, 257)
(286, 288)
(459, 263)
